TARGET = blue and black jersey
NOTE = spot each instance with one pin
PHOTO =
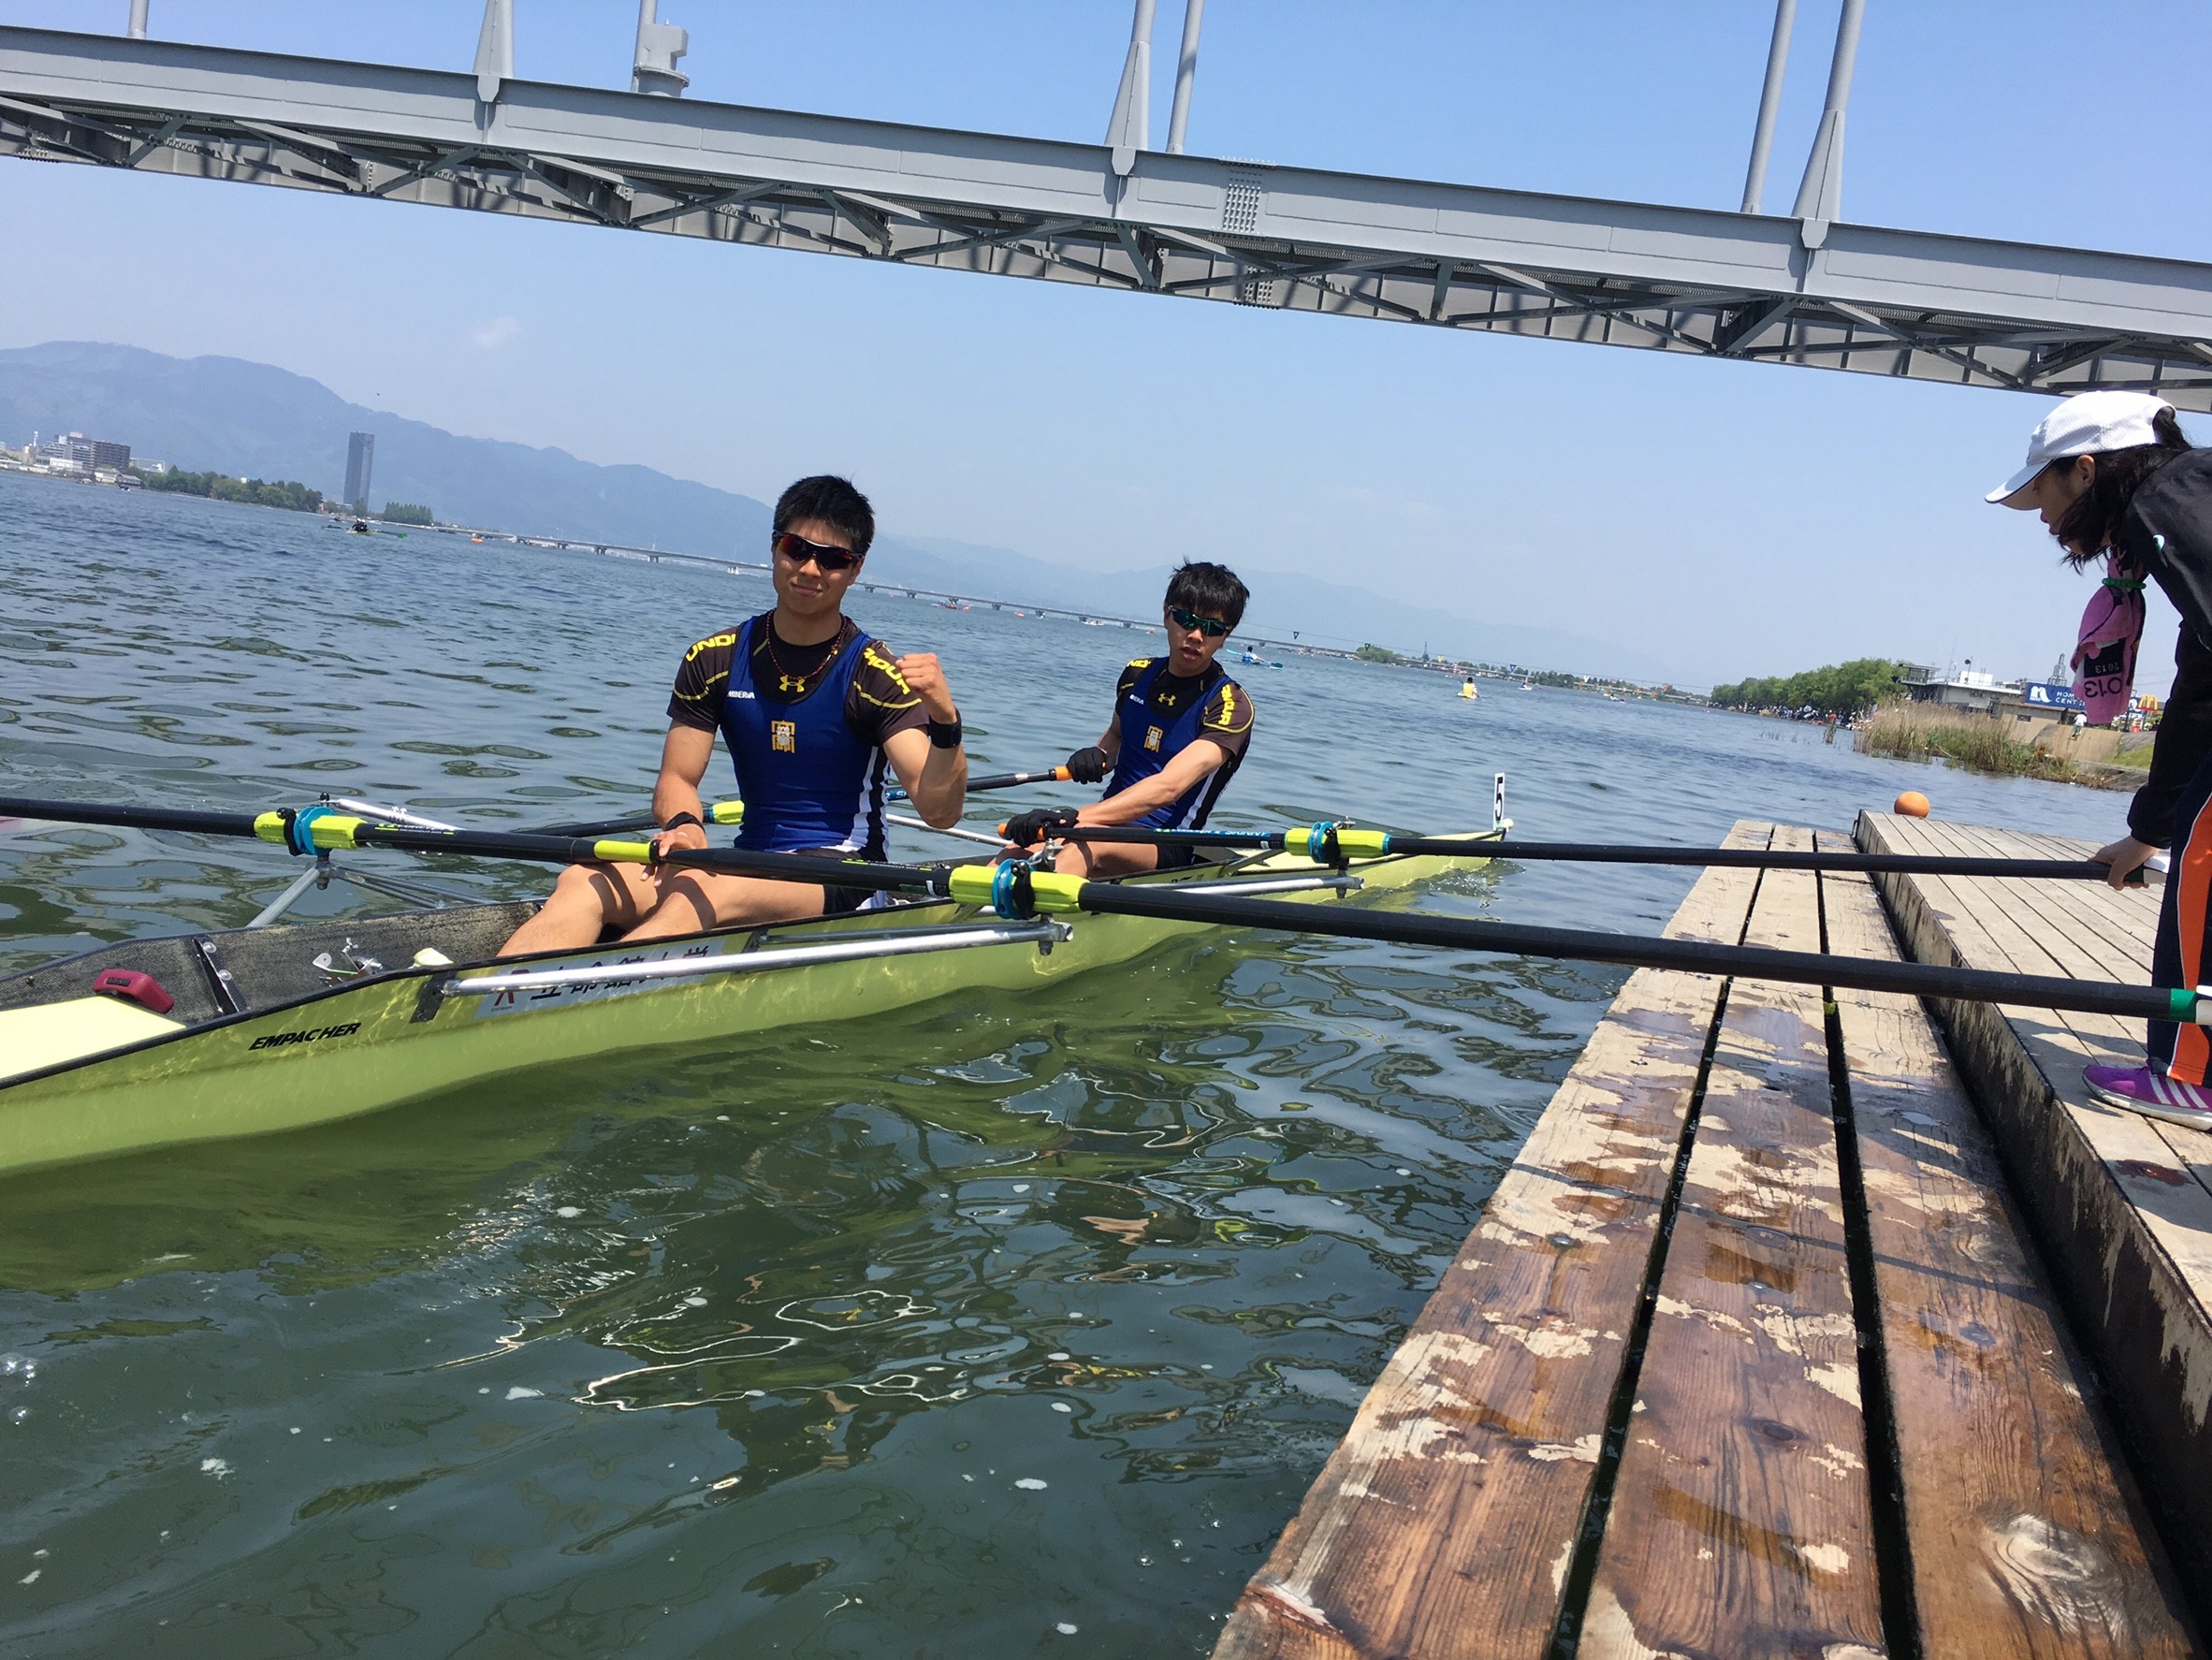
(1163, 714)
(805, 726)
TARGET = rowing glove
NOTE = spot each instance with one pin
(1088, 767)
(1029, 829)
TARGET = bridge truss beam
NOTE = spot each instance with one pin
(1902, 303)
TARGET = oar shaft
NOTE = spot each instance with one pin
(334, 830)
(1692, 956)
(1605, 852)
(1593, 852)
(126, 817)
(729, 812)
(558, 850)
(983, 885)
(1129, 832)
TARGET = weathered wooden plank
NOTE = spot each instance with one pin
(2087, 931)
(1741, 1520)
(2023, 1536)
(2028, 939)
(2129, 917)
(1443, 1524)
(2070, 938)
(2125, 1235)
(2081, 929)
(2126, 921)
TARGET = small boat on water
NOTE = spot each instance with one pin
(197, 1036)
(1467, 687)
(1250, 660)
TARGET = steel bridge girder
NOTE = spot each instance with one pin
(1947, 309)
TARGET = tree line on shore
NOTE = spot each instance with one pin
(282, 492)
(1841, 689)
(223, 487)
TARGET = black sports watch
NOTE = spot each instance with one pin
(945, 735)
(683, 819)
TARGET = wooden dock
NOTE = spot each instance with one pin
(2117, 1201)
(1753, 1354)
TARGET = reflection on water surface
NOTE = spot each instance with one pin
(1006, 1325)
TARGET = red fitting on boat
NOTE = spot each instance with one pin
(134, 987)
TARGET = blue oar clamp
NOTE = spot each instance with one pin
(299, 827)
(1322, 846)
(1011, 894)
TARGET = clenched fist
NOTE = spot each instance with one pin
(920, 671)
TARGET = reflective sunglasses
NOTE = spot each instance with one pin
(1208, 626)
(798, 549)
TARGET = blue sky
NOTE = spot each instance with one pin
(1725, 518)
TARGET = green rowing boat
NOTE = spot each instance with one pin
(279, 1027)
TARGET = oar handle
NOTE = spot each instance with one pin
(718, 812)
(1007, 781)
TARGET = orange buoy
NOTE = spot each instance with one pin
(1912, 804)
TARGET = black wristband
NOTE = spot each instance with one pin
(945, 735)
(683, 819)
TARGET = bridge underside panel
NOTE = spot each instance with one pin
(2014, 316)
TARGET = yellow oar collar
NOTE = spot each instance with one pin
(1016, 887)
(1333, 844)
(309, 829)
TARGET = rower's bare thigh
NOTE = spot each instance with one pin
(697, 899)
(626, 892)
(1108, 858)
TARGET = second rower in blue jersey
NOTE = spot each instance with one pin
(813, 713)
(1178, 735)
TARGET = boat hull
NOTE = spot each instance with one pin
(356, 1048)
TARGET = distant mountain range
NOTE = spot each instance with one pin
(226, 415)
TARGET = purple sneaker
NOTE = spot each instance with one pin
(2140, 1089)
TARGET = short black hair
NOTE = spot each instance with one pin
(831, 501)
(1209, 589)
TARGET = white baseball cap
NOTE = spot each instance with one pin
(2088, 423)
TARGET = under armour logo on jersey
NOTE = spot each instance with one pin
(791, 682)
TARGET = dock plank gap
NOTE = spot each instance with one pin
(1772, 1342)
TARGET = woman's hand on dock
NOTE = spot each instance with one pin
(2126, 856)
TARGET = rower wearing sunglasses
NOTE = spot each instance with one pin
(812, 710)
(1178, 735)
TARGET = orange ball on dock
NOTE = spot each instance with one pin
(1912, 804)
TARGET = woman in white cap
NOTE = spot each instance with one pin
(2115, 480)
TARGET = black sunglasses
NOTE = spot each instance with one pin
(798, 549)
(1212, 629)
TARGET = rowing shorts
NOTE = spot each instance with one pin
(844, 901)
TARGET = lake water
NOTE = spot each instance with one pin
(1003, 1326)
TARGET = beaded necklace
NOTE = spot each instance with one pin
(787, 682)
